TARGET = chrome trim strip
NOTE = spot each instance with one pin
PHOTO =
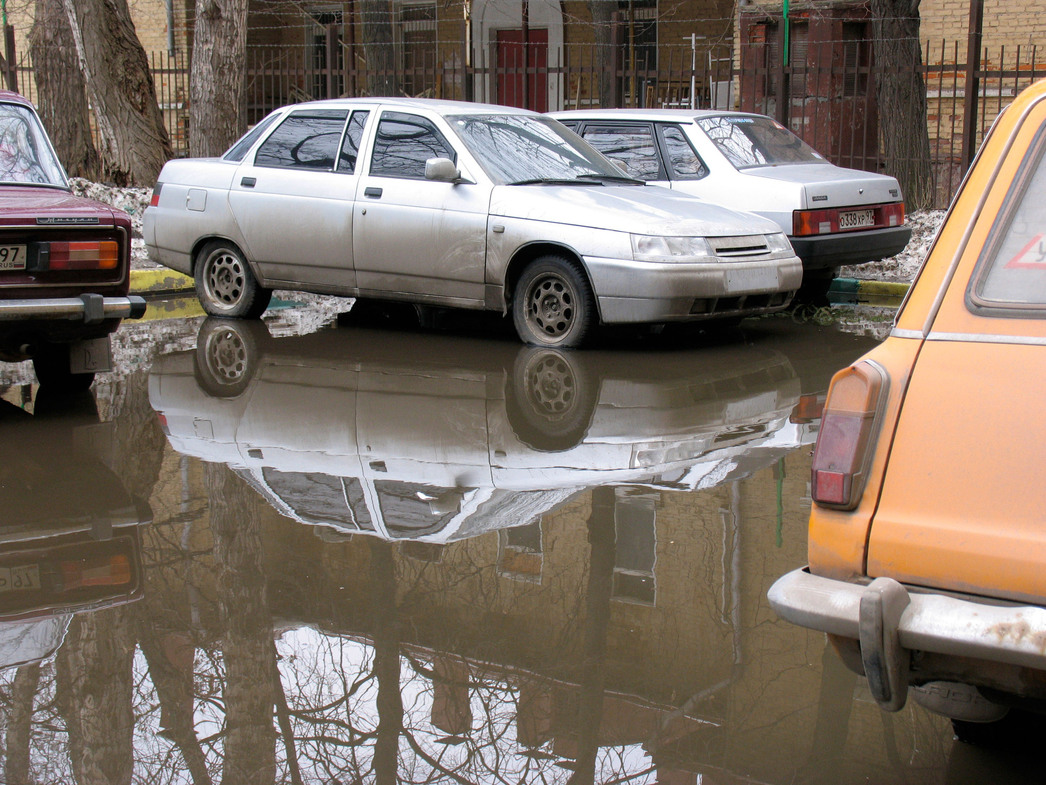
(71, 308)
(1020, 340)
(896, 333)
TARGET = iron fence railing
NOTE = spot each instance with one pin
(831, 105)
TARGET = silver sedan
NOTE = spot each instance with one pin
(462, 205)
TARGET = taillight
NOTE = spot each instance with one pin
(808, 223)
(103, 571)
(93, 255)
(155, 200)
(847, 436)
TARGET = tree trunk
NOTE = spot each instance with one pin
(20, 725)
(247, 646)
(216, 84)
(603, 21)
(901, 95)
(376, 23)
(61, 92)
(134, 144)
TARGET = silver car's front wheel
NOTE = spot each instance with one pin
(225, 284)
(553, 304)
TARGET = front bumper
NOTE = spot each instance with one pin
(643, 292)
(835, 250)
(891, 622)
(87, 308)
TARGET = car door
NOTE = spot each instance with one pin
(419, 238)
(658, 153)
(293, 199)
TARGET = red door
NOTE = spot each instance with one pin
(510, 70)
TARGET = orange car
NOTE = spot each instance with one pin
(927, 540)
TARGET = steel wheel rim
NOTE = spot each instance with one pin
(225, 279)
(551, 306)
(551, 386)
(226, 356)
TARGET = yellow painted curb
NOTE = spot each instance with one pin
(161, 281)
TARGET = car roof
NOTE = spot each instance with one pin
(675, 115)
(438, 105)
(14, 98)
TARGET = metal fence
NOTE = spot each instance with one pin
(831, 105)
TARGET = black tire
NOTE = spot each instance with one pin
(225, 284)
(814, 288)
(550, 400)
(553, 304)
(51, 364)
(227, 355)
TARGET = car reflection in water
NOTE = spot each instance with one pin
(438, 438)
(69, 539)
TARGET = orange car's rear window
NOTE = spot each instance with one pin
(1011, 275)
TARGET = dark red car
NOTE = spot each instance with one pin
(64, 260)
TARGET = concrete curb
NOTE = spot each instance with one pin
(865, 288)
(159, 281)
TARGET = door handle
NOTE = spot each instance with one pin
(374, 193)
(248, 182)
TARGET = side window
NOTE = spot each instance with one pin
(305, 140)
(631, 146)
(1011, 273)
(404, 143)
(239, 150)
(350, 146)
(680, 157)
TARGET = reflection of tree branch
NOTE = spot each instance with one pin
(435, 764)
(284, 720)
(23, 691)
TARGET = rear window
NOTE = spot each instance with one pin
(750, 141)
(1011, 273)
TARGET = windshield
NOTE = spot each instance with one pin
(25, 154)
(757, 141)
(523, 148)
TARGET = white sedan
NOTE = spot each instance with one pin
(453, 204)
(833, 216)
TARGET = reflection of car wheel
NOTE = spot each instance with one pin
(225, 284)
(550, 400)
(227, 355)
(1017, 729)
(553, 304)
(51, 364)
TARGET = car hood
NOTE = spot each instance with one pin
(825, 185)
(627, 208)
(41, 205)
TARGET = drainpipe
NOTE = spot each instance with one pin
(169, 7)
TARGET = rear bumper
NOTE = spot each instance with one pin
(87, 308)
(891, 622)
(835, 250)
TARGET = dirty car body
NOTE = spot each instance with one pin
(833, 216)
(462, 205)
(927, 561)
(64, 260)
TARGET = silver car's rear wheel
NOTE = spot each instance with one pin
(553, 304)
(225, 284)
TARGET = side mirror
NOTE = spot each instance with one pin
(442, 170)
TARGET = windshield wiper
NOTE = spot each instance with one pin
(612, 178)
(554, 181)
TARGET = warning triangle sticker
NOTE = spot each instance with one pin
(1030, 257)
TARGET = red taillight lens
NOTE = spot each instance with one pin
(155, 200)
(847, 435)
(96, 255)
(105, 571)
(811, 222)
(893, 214)
(807, 223)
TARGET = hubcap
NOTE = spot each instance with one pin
(551, 385)
(227, 356)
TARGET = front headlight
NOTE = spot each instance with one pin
(778, 242)
(657, 248)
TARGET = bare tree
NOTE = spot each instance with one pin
(603, 22)
(216, 85)
(901, 94)
(61, 91)
(376, 24)
(134, 143)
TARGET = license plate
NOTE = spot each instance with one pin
(856, 219)
(12, 257)
(759, 279)
(19, 578)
